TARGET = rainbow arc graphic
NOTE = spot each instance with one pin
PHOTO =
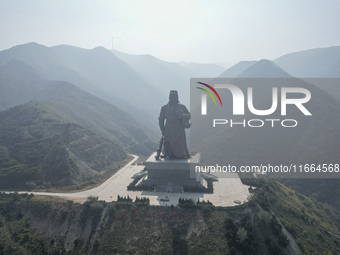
(209, 93)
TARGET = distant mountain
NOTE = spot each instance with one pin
(138, 85)
(19, 84)
(63, 62)
(113, 76)
(236, 70)
(320, 64)
(53, 132)
(99, 116)
(46, 63)
(23, 84)
(225, 65)
(255, 69)
(264, 69)
(316, 142)
(314, 139)
(37, 148)
(168, 75)
(313, 63)
(163, 75)
(203, 70)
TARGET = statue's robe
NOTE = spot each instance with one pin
(175, 145)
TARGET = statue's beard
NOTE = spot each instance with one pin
(173, 101)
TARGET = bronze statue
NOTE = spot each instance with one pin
(177, 119)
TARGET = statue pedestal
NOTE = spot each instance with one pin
(172, 175)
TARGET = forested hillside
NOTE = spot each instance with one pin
(277, 220)
(39, 148)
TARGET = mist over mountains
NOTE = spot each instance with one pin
(69, 137)
(23, 84)
(115, 97)
(168, 76)
(236, 69)
(135, 84)
(313, 140)
(313, 65)
(70, 115)
(54, 66)
(317, 140)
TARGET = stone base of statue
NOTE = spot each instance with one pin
(172, 175)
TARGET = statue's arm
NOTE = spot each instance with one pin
(186, 112)
(161, 120)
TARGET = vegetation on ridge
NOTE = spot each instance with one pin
(277, 220)
(37, 148)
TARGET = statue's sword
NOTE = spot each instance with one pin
(159, 150)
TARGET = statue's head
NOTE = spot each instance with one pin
(173, 96)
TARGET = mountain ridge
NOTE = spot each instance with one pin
(312, 63)
(40, 148)
(236, 69)
(51, 66)
(246, 145)
(112, 75)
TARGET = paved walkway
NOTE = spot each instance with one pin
(226, 190)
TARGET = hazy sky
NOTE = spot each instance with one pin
(186, 30)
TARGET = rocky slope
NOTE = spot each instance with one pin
(276, 221)
(38, 147)
(20, 83)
